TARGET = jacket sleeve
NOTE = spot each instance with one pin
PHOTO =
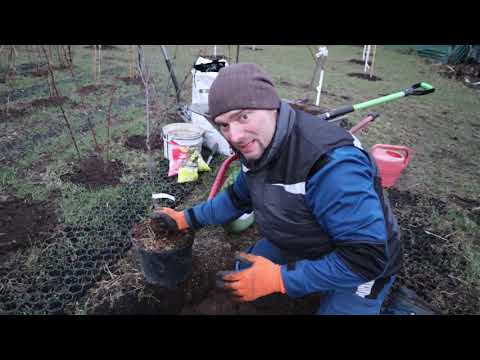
(226, 206)
(341, 194)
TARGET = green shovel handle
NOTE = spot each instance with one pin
(420, 89)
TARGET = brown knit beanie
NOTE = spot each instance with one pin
(241, 86)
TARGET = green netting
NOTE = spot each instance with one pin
(451, 54)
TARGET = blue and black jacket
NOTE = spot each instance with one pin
(317, 196)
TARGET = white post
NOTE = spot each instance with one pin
(366, 59)
(253, 47)
(319, 89)
(215, 51)
(364, 52)
(322, 55)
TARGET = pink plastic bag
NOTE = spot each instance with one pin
(178, 158)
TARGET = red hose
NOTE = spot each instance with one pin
(220, 178)
(365, 122)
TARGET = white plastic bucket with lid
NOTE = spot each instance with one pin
(183, 134)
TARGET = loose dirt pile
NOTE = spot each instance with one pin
(138, 142)
(95, 172)
(150, 236)
(24, 222)
(365, 76)
(50, 101)
(89, 89)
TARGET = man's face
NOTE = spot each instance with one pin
(249, 131)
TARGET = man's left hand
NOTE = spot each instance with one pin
(261, 279)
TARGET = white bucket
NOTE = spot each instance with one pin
(183, 134)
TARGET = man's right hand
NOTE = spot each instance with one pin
(170, 219)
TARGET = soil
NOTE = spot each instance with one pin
(40, 72)
(12, 114)
(139, 142)
(94, 172)
(365, 76)
(285, 83)
(309, 108)
(151, 237)
(301, 86)
(104, 47)
(50, 101)
(360, 62)
(137, 80)
(24, 222)
(88, 89)
(433, 266)
(344, 97)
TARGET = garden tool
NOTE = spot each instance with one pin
(171, 71)
(214, 150)
(417, 89)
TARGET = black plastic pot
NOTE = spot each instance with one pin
(166, 268)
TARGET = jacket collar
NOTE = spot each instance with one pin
(283, 128)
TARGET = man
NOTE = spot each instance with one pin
(317, 199)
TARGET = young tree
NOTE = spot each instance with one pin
(58, 95)
(145, 76)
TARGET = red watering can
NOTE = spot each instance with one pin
(391, 160)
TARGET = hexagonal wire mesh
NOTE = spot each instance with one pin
(74, 258)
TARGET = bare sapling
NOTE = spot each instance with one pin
(59, 57)
(109, 121)
(57, 93)
(94, 136)
(131, 62)
(99, 59)
(64, 53)
(28, 50)
(10, 77)
(94, 63)
(39, 57)
(83, 106)
(70, 55)
(145, 76)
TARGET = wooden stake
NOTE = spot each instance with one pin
(99, 61)
(373, 60)
(94, 62)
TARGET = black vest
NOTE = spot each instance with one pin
(277, 191)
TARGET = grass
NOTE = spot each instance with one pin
(7, 177)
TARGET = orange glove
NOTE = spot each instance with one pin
(171, 219)
(261, 279)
